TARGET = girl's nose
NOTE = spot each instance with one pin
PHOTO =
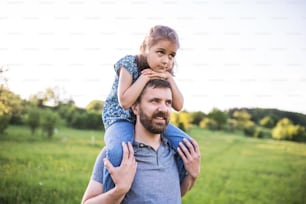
(165, 59)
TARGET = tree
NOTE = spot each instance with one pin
(10, 105)
(95, 106)
(3, 79)
(181, 119)
(48, 122)
(197, 117)
(243, 119)
(219, 117)
(267, 122)
(32, 119)
(48, 97)
(286, 130)
(209, 124)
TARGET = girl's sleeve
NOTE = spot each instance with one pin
(128, 62)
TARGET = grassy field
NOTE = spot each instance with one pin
(235, 169)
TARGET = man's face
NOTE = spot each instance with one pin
(155, 108)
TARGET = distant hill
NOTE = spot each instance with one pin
(259, 113)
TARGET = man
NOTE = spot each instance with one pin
(154, 177)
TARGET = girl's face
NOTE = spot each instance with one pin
(160, 56)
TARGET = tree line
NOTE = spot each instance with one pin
(45, 111)
(256, 122)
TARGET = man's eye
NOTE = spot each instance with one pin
(169, 103)
(154, 100)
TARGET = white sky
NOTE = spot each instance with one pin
(233, 53)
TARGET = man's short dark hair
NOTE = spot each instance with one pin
(154, 83)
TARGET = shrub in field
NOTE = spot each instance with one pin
(258, 133)
(10, 105)
(197, 117)
(267, 122)
(94, 120)
(285, 130)
(219, 117)
(32, 119)
(182, 120)
(249, 128)
(4, 121)
(49, 121)
(209, 124)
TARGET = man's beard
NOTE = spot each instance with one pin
(150, 125)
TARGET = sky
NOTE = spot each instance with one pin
(233, 53)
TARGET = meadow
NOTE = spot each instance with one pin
(234, 169)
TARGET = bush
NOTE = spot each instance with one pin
(267, 122)
(285, 130)
(209, 124)
(4, 122)
(258, 133)
(249, 128)
(94, 121)
(48, 122)
(32, 119)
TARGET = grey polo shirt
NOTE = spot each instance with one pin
(156, 179)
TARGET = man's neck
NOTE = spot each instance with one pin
(144, 136)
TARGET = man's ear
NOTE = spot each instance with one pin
(135, 108)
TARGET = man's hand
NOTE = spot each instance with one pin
(123, 175)
(191, 156)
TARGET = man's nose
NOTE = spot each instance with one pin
(163, 107)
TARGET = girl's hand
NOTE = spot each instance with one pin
(156, 75)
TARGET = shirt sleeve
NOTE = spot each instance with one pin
(97, 173)
(128, 62)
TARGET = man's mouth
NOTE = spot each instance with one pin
(160, 117)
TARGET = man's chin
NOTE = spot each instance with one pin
(159, 128)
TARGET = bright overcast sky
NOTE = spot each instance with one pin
(247, 53)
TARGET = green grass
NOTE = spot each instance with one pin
(234, 169)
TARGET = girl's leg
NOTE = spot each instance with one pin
(121, 131)
(176, 135)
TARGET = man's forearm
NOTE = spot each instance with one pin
(187, 184)
(113, 196)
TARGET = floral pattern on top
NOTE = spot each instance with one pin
(112, 110)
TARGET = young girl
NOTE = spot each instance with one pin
(156, 60)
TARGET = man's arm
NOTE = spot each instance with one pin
(122, 176)
(191, 156)
(94, 194)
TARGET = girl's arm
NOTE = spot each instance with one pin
(177, 96)
(128, 92)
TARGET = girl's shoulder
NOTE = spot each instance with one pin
(127, 58)
(128, 62)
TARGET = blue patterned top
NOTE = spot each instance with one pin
(112, 110)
